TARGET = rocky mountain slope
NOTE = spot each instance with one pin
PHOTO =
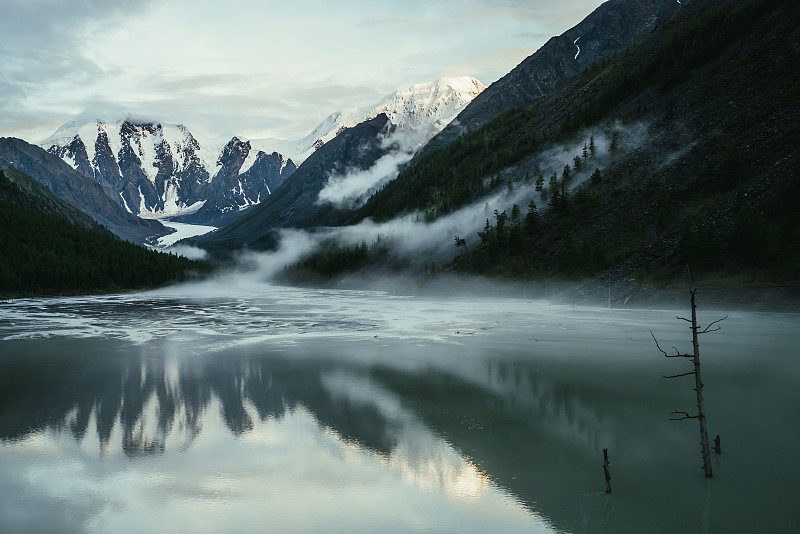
(425, 108)
(613, 26)
(158, 169)
(679, 150)
(76, 189)
(295, 202)
(21, 189)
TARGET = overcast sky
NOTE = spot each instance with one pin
(258, 68)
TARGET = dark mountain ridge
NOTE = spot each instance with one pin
(613, 26)
(49, 247)
(697, 129)
(80, 191)
(294, 203)
(23, 190)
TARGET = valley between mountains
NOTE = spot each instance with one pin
(650, 136)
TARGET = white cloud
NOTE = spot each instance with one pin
(259, 69)
(354, 187)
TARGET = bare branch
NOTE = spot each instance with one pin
(657, 345)
(679, 355)
(683, 319)
(676, 355)
(712, 330)
(680, 375)
(684, 414)
(708, 328)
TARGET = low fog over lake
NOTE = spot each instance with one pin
(254, 408)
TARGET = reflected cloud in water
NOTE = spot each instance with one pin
(313, 411)
(154, 438)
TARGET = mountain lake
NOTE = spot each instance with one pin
(211, 408)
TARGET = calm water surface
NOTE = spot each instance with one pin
(289, 410)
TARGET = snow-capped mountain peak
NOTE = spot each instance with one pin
(433, 103)
(157, 169)
(153, 168)
(422, 107)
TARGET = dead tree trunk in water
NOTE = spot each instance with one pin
(695, 357)
(606, 464)
(701, 407)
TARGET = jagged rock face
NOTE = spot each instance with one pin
(274, 165)
(139, 192)
(232, 190)
(106, 165)
(613, 26)
(76, 188)
(75, 154)
(227, 178)
(155, 169)
(293, 204)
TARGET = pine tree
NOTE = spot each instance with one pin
(553, 183)
(592, 147)
(516, 240)
(461, 242)
(531, 219)
(502, 230)
(486, 234)
(555, 196)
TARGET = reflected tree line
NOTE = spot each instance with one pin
(536, 430)
(150, 399)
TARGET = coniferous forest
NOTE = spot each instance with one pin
(45, 254)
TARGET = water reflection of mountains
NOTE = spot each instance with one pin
(535, 427)
(62, 389)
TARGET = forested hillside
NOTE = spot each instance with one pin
(681, 149)
(44, 253)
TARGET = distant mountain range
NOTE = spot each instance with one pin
(154, 169)
(613, 26)
(680, 150)
(296, 202)
(157, 169)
